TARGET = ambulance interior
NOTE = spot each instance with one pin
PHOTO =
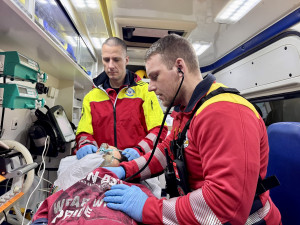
(50, 50)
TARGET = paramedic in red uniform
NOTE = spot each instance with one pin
(226, 149)
(119, 110)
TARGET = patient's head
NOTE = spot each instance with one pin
(112, 156)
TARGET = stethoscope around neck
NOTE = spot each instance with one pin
(160, 130)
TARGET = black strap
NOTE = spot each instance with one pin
(256, 205)
(171, 186)
(266, 184)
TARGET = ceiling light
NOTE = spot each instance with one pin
(234, 10)
(79, 3)
(52, 2)
(91, 4)
(42, 1)
(201, 47)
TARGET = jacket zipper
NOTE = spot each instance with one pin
(115, 119)
(115, 126)
(115, 115)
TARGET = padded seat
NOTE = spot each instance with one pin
(284, 162)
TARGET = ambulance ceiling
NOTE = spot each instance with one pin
(140, 22)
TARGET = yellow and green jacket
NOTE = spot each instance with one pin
(130, 118)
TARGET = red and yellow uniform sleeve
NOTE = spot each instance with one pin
(84, 133)
(155, 167)
(153, 118)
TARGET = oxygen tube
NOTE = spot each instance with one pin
(160, 130)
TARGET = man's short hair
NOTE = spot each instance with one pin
(115, 41)
(172, 47)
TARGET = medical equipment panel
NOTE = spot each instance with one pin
(17, 96)
(18, 66)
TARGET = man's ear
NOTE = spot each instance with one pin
(127, 60)
(180, 65)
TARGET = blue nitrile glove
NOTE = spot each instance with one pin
(119, 171)
(87, 149)
(130, 153)
(130, 200)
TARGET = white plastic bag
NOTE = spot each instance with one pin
(72, 170)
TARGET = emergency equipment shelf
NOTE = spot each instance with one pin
(20, 33)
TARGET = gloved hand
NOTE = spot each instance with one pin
(130, 200)
(130, 153)
(119, 171)
(87, 149)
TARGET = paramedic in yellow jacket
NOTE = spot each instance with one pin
(119, 110)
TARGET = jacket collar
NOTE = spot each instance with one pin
(103, 80)
(200, 91)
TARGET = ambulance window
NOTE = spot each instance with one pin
(279, 108)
